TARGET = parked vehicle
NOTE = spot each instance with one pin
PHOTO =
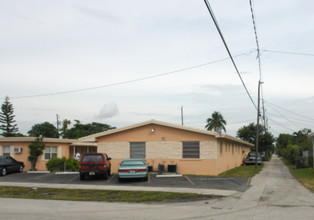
(95, 164)
(133, 168)
(250, 158)
(10, 165)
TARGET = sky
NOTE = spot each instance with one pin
(126, 62)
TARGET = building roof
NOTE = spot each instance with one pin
(92, 138)
(31, 139)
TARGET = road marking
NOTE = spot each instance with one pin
(113, 175)
(189, 180)
(73, 178)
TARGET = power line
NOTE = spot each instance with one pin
(130, 81)
(280, 124)
(224, 42)
(295, 122)
(283, 116)
(287, 52)
(290, 111)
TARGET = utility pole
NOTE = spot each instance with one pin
(257, 123)
(58, 123)
(182, 115)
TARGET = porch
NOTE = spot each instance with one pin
(82, 148)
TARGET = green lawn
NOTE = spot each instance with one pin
(305, 175)
(98, 195)
(242, 171)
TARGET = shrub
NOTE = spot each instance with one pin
(292, 153)
(57, 164)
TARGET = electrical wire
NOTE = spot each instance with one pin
(130, 81)
(290, 111)
(281, 124)
(297, 122)
(287, 52)
(226, 46)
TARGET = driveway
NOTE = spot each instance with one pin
(273, 194)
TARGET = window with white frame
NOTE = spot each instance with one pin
(6, 150)
(51, 152)
(221, 144)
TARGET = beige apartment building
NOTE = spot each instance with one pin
(190, 150)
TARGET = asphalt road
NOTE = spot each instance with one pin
(220, 183)
(273, 194)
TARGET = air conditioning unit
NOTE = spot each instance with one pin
(17, 150)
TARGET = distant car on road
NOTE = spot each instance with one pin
(95, 164)
(250, 158)
(10, 165)
(133, 168)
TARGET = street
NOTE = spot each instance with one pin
(273, 194)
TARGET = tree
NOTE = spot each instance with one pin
(65, 127)
(81, 130)
(266, 139)
(45, 129)
(7, 119)
(35, 150)
(216, 122)
(282, 142)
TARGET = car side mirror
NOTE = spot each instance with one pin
(109, 158)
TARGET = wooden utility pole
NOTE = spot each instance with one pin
(257, 123)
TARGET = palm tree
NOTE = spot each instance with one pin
(216, 122)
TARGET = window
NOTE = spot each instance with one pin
(137, 150)
(221, 147)
(191, 149)
(232, 148)
(6, 150)
(50, 152)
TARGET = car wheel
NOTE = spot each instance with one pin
(21, 169)
(4, 171)
(146, 178)
(119, 179)
(109, 171)
(82, 177)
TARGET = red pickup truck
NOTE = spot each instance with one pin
(95, 164)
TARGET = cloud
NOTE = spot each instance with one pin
(107, 111)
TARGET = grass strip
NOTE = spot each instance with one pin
(242, 171)
(304, 175)
(99, 195)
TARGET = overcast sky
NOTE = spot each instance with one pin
(125, 62)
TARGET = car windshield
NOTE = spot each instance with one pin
(93, 158)
(132, 163)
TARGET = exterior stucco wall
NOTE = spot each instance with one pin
(161, 133)
(62, 151)
(228, 158)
